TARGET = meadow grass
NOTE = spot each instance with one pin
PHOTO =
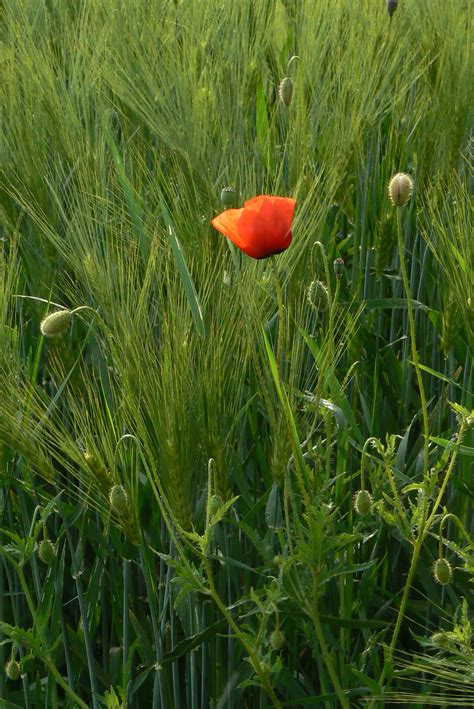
(178, 526)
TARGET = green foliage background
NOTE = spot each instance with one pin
(121, 121)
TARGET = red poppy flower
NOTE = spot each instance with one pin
(261, 228)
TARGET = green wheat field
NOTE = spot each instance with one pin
(228, 482)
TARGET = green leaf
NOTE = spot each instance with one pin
(186, 279)
(144, 645)
(354, 569)
(273, 514)
(390, 304)
(444, 443)
(353, 622)
(262, 127)
(368, 681)
(47, 596)
(194, 641)
(438, 375)
(130, 198)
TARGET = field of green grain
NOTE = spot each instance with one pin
(231, 483)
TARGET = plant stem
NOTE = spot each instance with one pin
(447, 476)
(45, 656)
(250, 650)
(398, 504)
(324, 648)
(424, 526)
(416, 360)
(281, 320)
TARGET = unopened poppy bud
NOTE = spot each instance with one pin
(338, 266)
(277, 639)
(278, 560)
(442, 571)
(46, 551)
(56, 323)
(285, 90)
(400, 189)
(363, 502)
(440, 640)
(317, 295)
(392, 6)
(118, 499)
(228, 197)
(12, 669)
(214, 503)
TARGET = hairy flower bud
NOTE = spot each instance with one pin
(442, 571)
(56, 323)
(228, 197)
(118, 499)
(215, 503)
(46, 551)
(12, 670)
(317, 295)
(440, 640)
(285, 90)
(363, 502)
(277, 639)
(400, 189)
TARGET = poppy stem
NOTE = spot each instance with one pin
(281, 320)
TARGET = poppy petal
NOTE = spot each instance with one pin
(226, 223)
(261, 228)
(265, 225)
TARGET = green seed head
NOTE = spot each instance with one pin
(12, 669)
(46, 551)
(442, 571)
(317, 295)
(400, 189)
(363, 502)
(228, 197)
(56, 323)
(118, 500)
(278, 560)
(285, 90)
(277, 639)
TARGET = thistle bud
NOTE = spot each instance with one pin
(317, 295)
(118, 499)
(363, 502)
(400, 189)
(285, 90)
(12, 669)
(392, 6)
(442, 571)
(46, 551)
(56, 323)
(277, 639)
(228, 197)
(338, 266)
